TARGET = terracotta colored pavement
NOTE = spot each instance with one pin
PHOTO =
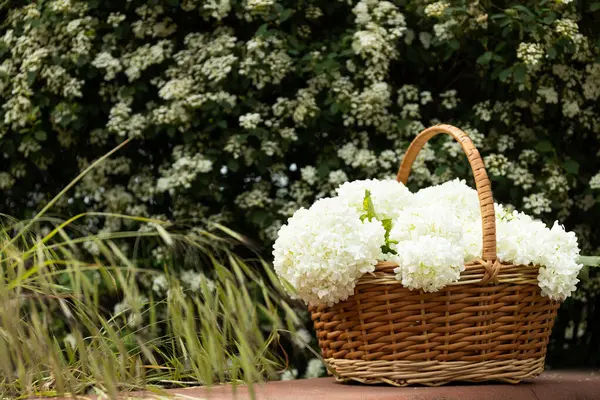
(552, 385)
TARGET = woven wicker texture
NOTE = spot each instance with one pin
(493, 324)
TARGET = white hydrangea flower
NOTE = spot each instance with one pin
(428, 263)
(434, 233)
(454, 194)
(432, 220)
(523, 240)
(323, 251)
(389, 196)
(314, 369)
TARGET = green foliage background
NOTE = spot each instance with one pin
(244, 111)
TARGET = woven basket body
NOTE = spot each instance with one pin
(493, 324)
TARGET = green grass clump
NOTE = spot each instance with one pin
(224, 330)
(77, 315)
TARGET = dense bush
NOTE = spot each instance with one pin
(247, 110)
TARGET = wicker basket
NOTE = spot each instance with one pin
(493, 324)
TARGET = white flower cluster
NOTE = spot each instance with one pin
(266, 61)
(183, 171)
(428, 263)
(530, 53)
(389, 196)
(323, 251)
(250, 120)
(380, 24)
(430, 234)
(436, 9)
(523, 240)
(595, 181)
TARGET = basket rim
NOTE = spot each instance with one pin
(477, 272)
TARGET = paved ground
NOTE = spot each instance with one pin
(559, 385)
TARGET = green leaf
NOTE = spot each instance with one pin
(544, 146)
(595, 6)
(505, 74)
(285, 15)
(520, 72)
(262, 30)
(334, 108)
(524, 9)
(500, 46)
(549, 19)
(40, 136)
(485, 58)
(368, 207)
(31, 75)
(551, 53)
(454, 44)
(233, 164)
(387, 225)
(571, 166)
(440, 170)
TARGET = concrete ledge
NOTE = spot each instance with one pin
(559, 385)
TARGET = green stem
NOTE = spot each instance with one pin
(590, 261)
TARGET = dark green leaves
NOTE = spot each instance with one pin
(520, 73)
(544, 146)
(571, 166)
(485, 58)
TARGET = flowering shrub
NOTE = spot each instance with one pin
(245, 111)
(323, 251)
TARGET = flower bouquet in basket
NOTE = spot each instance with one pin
(429, 287)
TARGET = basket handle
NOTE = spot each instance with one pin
(484, 189)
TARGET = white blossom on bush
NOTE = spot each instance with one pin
(250, 120)
(530, 53)
(314, 369)
(436, 9)
(595, 181)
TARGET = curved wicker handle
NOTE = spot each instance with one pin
(484, 189)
